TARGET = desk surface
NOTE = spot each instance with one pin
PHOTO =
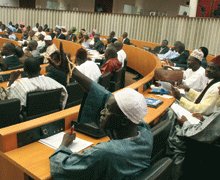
(33, 159)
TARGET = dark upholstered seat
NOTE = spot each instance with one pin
(9, 112)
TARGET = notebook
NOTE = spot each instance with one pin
(55, 141)
(152, 102)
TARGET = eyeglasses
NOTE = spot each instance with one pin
(106, 111)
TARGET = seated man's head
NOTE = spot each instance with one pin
(213, 68)
(48, 40)
(205, 51)
(32, 67)
(8, 49)
(31, 33)
(123, 111)
(81, 56)
(40, 37)
(164, 43)
(118, 45)
(110, 53)
(32, 45)
(195, 59)
(112, 34)
(96, 37)
(125, 34)
(55, 58)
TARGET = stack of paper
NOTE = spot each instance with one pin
(180, 111)
(55, 141)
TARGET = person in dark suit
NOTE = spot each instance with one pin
(162, 49)
(125, 38)
(59, 35)
(98, 44)
(9, 58)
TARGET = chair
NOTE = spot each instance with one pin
(75, 94)
(115, 83)
(104, 80)
(41, 103)
(9, 112)
(123, 73)
(160, 135)
(160, 170)
(202, 160)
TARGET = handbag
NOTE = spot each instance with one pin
(168, 74)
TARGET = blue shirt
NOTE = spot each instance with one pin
(116, 159)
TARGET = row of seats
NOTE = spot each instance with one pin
(36, 106)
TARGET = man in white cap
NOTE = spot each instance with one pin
(50, 48)
(129, 150)
(194, 77)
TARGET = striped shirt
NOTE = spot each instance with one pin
(21, 87)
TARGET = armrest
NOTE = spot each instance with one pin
(159, 170)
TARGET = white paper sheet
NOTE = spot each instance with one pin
(180, 111)
(55, 141)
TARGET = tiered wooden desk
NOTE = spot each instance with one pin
(32, 160)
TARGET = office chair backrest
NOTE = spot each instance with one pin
(42, 103)
(9, 112)
(160, 170)
(160, 135)
(115, 83)
(104, 80)
(123, 73)
(75, 94)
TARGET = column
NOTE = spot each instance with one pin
(193, 8)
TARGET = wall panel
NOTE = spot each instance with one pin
(194, 32)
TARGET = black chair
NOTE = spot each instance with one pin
(41, 103)
(202, 160)
(9, 112)
(104, 80)
(123, 73)
(115, 83)
(160, 135)
(160, 170)
(75, 94)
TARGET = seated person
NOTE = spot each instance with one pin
(86, 41)
(40, 31)
(87, 67)
(172, 53)
(18, 88)
(206, 53)
(207, 101)
(71, 36)
(32, 48)
(126, 154)
(9, 57)
(182, 128)
(58, 66)
(162, 49)
(112, 63)
(98, 44)
(49, 48)
(11, 34)
(194, 77)
(59, 34)
(112, 38)
(125, 39)
(181, 60)
(121, 53)
(40, 42)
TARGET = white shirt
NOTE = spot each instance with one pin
(121, 56)
(21, 87)
(38, 33)
(90, 69)
(169, 55)
(195, 79)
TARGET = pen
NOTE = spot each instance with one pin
(72, 129)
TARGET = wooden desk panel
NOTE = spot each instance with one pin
(33, 159)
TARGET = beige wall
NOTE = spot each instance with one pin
(80, 5)
(118, 5)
